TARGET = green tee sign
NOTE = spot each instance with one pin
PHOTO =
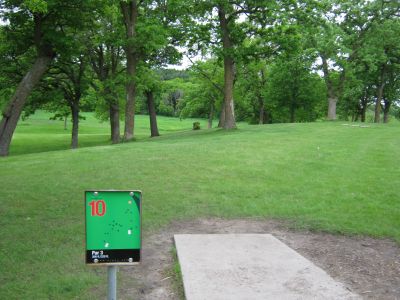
(113, 227)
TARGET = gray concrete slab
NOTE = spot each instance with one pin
(251, 267)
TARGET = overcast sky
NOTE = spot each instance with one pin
(185, 63)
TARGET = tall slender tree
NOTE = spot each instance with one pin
(130, 13)
(106, 57)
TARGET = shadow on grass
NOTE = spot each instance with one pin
(24, 144)
(38, 143)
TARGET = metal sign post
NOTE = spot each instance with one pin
(113, 231)
(112, 283)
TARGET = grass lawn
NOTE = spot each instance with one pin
(323, 176)
(40, 134)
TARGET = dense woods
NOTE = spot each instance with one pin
(255, 61)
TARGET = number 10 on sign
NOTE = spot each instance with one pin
(95, 205)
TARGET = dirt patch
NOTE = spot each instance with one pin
(369, 267)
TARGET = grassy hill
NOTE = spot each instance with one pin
(39, 134)
(323, 176)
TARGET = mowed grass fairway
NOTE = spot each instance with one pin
(40, 134)
(323, 176)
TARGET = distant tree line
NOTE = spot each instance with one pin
(265, 61)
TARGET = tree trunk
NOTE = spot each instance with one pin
(332, 97)
(293, 104)
(267, 117)
(152, 114)
(229, 71)
(65, 122)
(379, 97)
(75, 124)
(130, 101)
(364, 104)
(113, 107)
(378, 101)
(228, 90)
(363, 113)
(130, 14)
(211, 115)
(386, 110)
(114, 122)
(222, 116)
(14, 109)
(262, 116)
(332, 108)
(262, 112)
(292, 113)
(377, 118)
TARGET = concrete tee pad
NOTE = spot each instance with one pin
(250, 266)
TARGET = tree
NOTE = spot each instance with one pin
(391, 93)
(338, 33)
(173, 94)
(381, 58)
(326, 37)
(206, 93)
(130, 13)
(359, 25)
(71, 80)
(45, 54)
(149, 38)
(39, 26)
(150, 85)
(216, 27)
(106, 60)
(294, 92)
(252, 87)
